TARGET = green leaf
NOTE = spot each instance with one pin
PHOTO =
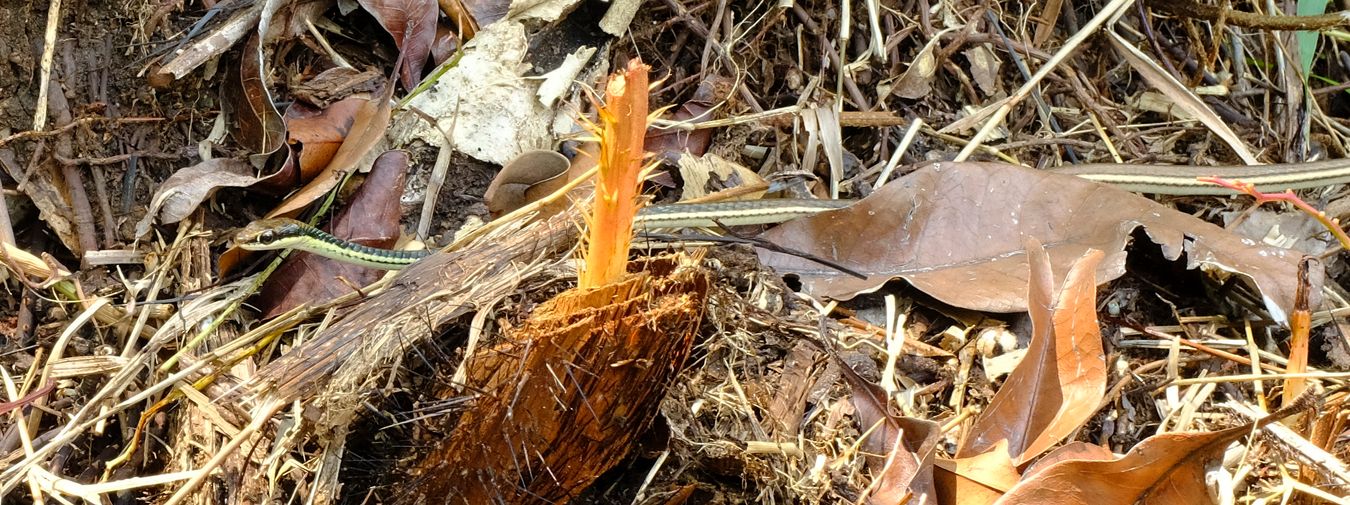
(1307, 41)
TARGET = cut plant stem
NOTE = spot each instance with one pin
(622, 129)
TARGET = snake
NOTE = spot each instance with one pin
(283, 233)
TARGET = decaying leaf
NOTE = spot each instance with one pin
(976, 480)
(412, 23)
(372, 119)
(183, 191)
(1163, 469)
(904, 472)
(258, 125)
(916, 82)
(313, 137)
(670, 144)
(955, 231)
(484, 102)
(1053, 389)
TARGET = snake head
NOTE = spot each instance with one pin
(268, 234)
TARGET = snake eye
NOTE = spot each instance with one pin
(267, 237)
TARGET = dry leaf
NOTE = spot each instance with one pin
(955, 231)
(412, 23)
(313, 137)
(906, 471)
(258, 125)
(671, 143)
(917, 80)
(1164, 469)
(1053, 390)
(976, 480)
(183, 191)
(984, 68)
(372, 119)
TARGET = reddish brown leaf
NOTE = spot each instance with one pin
(258, 125)
(412, 23)
(1163, 469)
(1072, 450)
(486, 12)
(1053, 389)
(955, 231)
(444, 45)
(314, 137)
(976, 480)
(905, 474)
(671, 143)
(372, 119)
(372, 218)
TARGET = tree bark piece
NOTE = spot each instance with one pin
(562, 399)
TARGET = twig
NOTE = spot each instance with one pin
(1191, 9)
(1331, 224)
(45, 72)
(73, 124)
(113, 160)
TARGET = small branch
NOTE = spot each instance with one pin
(1213, 13)
(1331, 224)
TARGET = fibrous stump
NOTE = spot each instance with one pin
(561, 400)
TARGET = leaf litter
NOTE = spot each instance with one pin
(1151, 340)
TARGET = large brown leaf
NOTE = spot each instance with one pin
(1053, 389)
(1163, 469)
(955, 231)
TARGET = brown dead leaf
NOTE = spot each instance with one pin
(1072, 450)
(336, 84)
(905, 473)
(917, 81)
(314, 137)
(372, 218)
(412, 23)
(669, 144)
(372, 119)
(486, 12)
(1063, 375)
(1163, 469)
(258, 125)
(955, 231)
(183, 191)
(976, 480)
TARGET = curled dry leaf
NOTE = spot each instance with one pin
(907, 444)
(670, 144)
(1052, 390)
(183, 191)
(257, 123)
(313, 137)
(955, 231)
(368, 127)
